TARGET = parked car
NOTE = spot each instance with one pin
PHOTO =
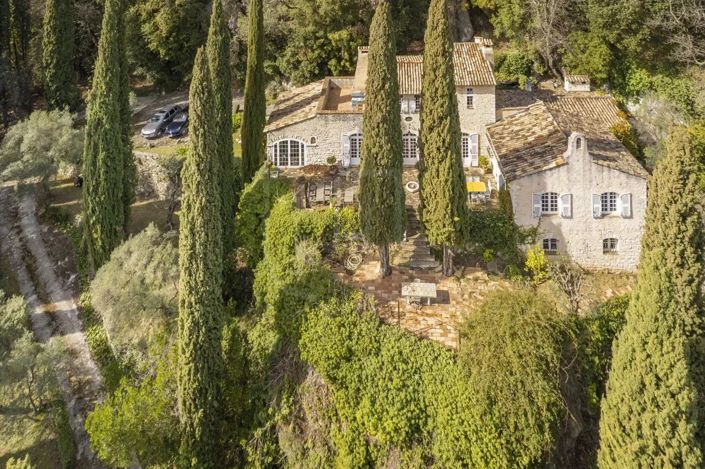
(178, 125)
(158, 122)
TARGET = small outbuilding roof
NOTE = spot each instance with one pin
(536, 138)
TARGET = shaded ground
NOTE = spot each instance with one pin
(54, 315)
(66, 197)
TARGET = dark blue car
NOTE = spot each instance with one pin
(178, 125)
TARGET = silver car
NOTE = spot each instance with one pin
(158, 122)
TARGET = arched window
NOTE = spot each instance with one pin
(355, 145)
(549, 202)
(288, 153)
(410, 148)
(579, 143)
(313, 140)
(608, 202)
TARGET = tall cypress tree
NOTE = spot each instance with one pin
(382, 210)
(129, 167)
(650, 415)
(200, 285)
(441, 179)
(218, 49)
(60, 79)
(255, 107)
(106, 152)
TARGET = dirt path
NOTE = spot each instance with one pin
(57, 319)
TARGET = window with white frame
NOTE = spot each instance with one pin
(355, 145)
(608, 202)
(469, 98)
(549, 202)
(417, 101)
(410, 104)
(288, 153)
(550, 246)
(609, 245)
(409, 147)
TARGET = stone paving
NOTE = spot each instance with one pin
(457, 296)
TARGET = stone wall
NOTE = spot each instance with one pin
(329, 129)
(580, 235)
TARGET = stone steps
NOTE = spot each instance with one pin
(415, 252)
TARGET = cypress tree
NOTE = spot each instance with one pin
(255, 108)
(200, 285)
(441, 178)
(382, 210)
(60, 80)
(130, 170)
(650, 415)
(218, 50)
(106, 152)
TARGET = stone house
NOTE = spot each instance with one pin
(321, 123)
(572, 178)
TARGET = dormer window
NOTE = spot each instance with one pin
(469, 98)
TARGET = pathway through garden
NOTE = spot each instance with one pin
(54, 314)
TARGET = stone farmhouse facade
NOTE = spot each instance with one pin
(321, 123)
(570, 176)
(565, 170)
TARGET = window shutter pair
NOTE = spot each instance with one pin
(412, 104)
(536, 202)
(565, 205)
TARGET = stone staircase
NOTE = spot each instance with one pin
(414, 253)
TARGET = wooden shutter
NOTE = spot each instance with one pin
(536, 201)
(565, 208)
(404, 105)
(596, 206)
(625, 208)
(412, 104)
(345, 145)
(474, 150)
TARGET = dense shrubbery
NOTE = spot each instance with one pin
(494, 231)
(516, 66)
(256, 201)
(136, 291)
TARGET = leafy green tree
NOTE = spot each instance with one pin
(24, 463)
(40, 146)
(138, 420)
(201, 280)
(107, 155)
(164, 37)
(255, 107)
(382, 209)
(652, 411)
(135, 291)
(218, 49)
(443, 195)
(60, 79)
(27, 367)
(519, 429)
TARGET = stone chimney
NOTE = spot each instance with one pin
(486, 48)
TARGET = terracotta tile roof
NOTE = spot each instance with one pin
(535, 139)
(578, 79)
(296, 105)
(528, 142)
(470, 66)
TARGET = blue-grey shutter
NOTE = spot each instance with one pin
(566, 205)
(625, 202)
(596, 206)
(536, 201)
